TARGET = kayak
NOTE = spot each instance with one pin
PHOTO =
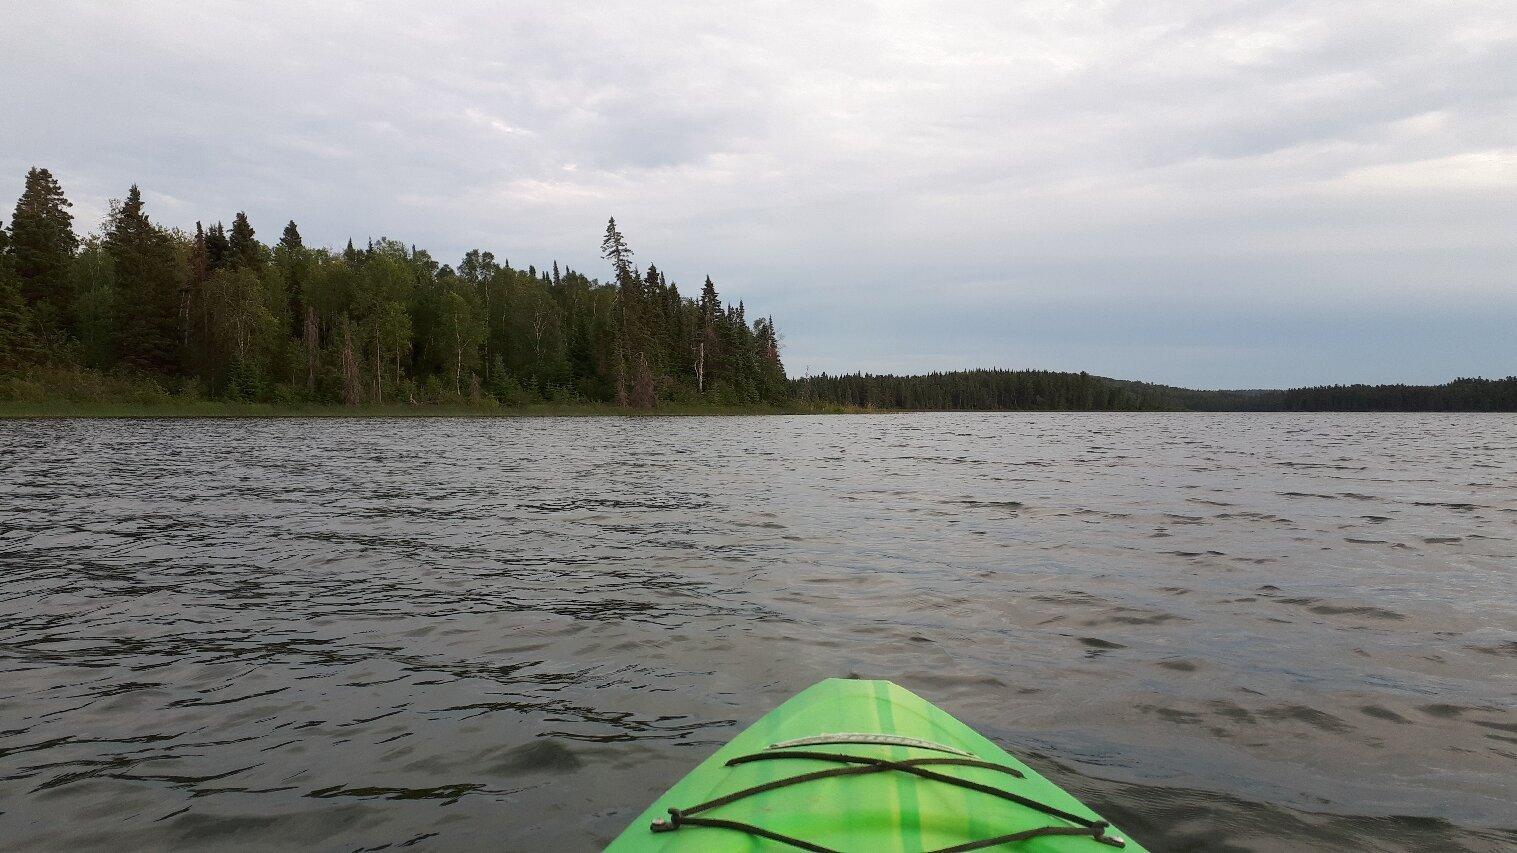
(854, 765)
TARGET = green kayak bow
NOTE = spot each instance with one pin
(866, 766)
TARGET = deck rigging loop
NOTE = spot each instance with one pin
(855, 765)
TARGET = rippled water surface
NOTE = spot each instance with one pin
(1225, 632)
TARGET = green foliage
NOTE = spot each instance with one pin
(241, 326)
(244, 380)
(504, 387)
(79, 385)
(383, 323)
(18, 343)
(93, 280)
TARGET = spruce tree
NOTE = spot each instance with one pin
(614, 249)
(290, 239)
(217, 246)
(708, 337)
(17, 344)
(290, 259)
(243, 246)
(192, 303)
(630, 322)
(710, 303)
(42, 244)
(147, 277)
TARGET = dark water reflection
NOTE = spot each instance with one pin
(1227, 632)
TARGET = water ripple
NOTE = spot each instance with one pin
(1227, 632)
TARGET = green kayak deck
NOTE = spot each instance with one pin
(851, 765)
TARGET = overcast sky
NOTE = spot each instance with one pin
(1214, 194)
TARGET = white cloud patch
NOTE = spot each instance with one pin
(876, 175)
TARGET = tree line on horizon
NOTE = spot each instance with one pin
(221, 314)
(1035, 390)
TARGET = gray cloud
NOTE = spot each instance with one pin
(1208, 193)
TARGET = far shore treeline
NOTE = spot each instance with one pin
(218, 314)
(1022, 390)
(138, 317)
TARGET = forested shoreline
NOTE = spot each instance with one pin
(140, 315)
(139, 310)
(1034, 390)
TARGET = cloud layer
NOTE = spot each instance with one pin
(1220, 194)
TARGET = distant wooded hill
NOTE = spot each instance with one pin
(1032, 390)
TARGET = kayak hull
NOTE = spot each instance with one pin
(868, 809)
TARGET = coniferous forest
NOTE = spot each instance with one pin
(139, 312)
(220, 314)
(1031, 390)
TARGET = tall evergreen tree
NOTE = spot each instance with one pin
(42, 244)
(218, 248)
(147, 277)
(613, 247)
(290, 239)
(192, 304)
(17, 344)
(291, 259)
(707, 343)
(245, 252)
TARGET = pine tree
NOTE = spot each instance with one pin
(42, 244)
(147, 277)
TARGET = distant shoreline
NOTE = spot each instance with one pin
(221, 410)
(1047, 390)
(84, 393)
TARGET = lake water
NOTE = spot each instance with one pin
(1225, 632)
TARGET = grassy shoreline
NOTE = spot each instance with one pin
(74, 392)
(61, 409)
